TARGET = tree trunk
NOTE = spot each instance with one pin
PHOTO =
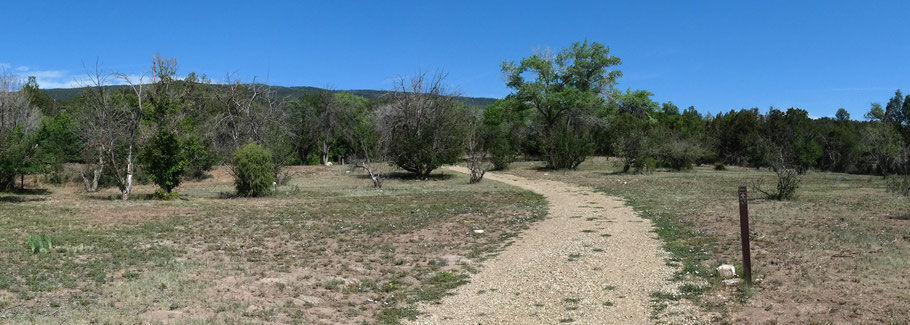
(325, 152)
(128, 186)
(22, 181)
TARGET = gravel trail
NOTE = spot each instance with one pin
(591, 261)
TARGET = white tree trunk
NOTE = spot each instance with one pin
(129, 175)
(325, 152)
(92, 185)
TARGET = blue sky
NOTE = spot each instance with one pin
(715, 55)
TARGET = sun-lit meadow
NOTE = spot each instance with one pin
(326, 248)
(839, 252)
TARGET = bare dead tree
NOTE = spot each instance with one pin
(133, 118)
(249, 113)
(93, 118)
(477, 151)
(110, 128)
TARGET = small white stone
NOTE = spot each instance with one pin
(726, 271)
(478, 231)
(732, 282)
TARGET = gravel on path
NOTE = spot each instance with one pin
(593, 260)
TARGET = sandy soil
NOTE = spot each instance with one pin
(592, 261)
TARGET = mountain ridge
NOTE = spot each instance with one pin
(282, 91)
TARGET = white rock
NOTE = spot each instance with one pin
(732, 282)
(328, 163)
(726, 271)
(478, 231)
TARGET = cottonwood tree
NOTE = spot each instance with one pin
(564, 88)
(422, 126)
(18, 121)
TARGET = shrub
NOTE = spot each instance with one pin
(40, 243)
(252, 167)
(200, 158)
(720, 166)
(645, 165)
(787, 183)
(679, 154)
(568, 143)
(161, 194)
(164, 159)
(899, 185)
(501, 153)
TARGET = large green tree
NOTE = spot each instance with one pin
(565, 89)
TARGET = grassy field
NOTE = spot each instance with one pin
(326, 249)
(838, 253)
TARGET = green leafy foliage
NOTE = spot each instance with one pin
(164, 158)
(252, 167)
(40, 243)
(565, 89)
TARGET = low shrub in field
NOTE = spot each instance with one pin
(40, 243)
(645, 165)
(899, 185)
(787, 183)
(253, 173)
(161, 194)
(720, 166)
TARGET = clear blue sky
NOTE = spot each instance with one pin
(715, 55)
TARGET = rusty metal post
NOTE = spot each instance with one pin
(744, 234)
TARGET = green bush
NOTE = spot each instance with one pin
(40, 243)
(720, 166)
(252, 167)
(645, 165)
(164, 159)
(161, 194)
(501, 153)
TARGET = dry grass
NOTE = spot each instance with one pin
(838, 253)
(326, 249)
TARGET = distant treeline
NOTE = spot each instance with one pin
(67, 94)
(563, 108)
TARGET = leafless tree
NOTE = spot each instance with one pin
(249, 113)
(477, 150)
(15, 110)
(110, 128)
(133, 117)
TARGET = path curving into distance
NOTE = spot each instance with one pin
(591, 261)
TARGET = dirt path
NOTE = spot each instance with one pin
(592, 261)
